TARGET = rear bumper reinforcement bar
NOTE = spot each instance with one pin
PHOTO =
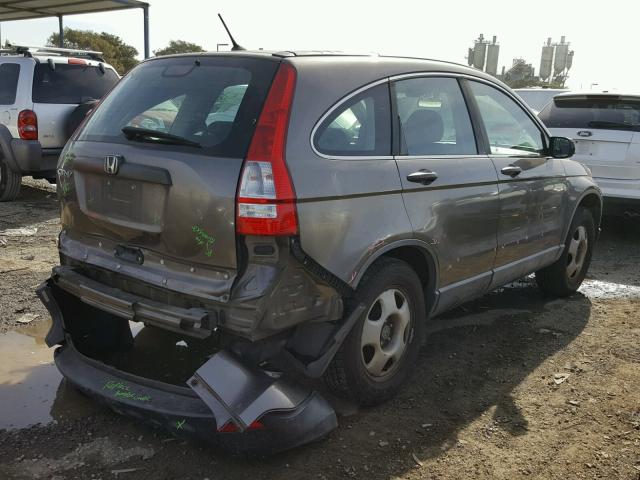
(195, 322)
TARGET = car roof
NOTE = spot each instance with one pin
(401, 64)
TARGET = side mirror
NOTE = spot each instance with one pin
(561, 147)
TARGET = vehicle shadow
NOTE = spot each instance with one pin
(33, 205)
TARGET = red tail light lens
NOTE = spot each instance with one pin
(232, 428)
(266, 199)
(28, 125)
(76, 61)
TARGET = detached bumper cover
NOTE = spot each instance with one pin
(288, 414)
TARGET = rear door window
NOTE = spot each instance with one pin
(600, 112)
(433, 118)
(509, 129)
(9, 74)
(359, 127)
(214, 102)
(70, 83)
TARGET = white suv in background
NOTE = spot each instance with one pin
(606, 130)
(44, 94)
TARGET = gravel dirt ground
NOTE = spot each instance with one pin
(513, 385)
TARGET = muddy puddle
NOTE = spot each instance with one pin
(32, 390)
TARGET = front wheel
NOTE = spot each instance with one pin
(380, 351)
(565, 276)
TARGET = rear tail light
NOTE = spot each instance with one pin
(266, 202)
(28, 125)
(232, 427)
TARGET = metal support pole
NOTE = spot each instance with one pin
(61, 27)
(145, 12)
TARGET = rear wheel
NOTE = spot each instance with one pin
(9, 182)
(379, 353)
(565, 276)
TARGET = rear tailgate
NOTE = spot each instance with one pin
(59, 87)
(605, 129)
(152, 209)
(608, 153)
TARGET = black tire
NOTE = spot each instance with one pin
(347, 375)
(9, 182)
(556, 279)
(77, 115)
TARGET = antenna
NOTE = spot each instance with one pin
(233, 40)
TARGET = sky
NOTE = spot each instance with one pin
(603, 37)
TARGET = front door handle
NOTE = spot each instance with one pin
(423, 176)
(511, 171)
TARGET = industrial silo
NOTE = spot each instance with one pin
(546, 60)
(479, 53)
(493, 52)
(560, 61)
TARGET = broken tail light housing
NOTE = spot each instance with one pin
(233, 428)
(266, 200)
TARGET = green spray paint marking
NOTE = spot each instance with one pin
(68, 157)
(123, 390)
(179, 424)
(204, 239)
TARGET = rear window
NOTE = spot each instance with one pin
(9, 74)
(70, 84)
(608, 113)
(214, 102)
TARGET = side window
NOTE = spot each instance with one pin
(510, 130)
(9, 74)
(360, 127)
(433, 117)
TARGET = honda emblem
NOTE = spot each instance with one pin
(112, 164)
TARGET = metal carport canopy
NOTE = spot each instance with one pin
(30, 9)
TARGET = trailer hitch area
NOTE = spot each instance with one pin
(241, 394)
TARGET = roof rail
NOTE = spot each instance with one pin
(29, 51)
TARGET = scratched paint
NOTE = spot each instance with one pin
(204, 239)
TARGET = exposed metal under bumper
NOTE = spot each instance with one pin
(192, 321)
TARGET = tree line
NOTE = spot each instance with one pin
(116, 52)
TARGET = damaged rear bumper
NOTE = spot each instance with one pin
(238, 408)
(180, 411)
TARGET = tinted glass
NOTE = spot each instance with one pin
(592, 112)
(214, 102)
(433, 118)
(510, 130)
(360, 127)
(9, 74)
(70, 84)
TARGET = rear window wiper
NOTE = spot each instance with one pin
(605, 124)
(146, 134)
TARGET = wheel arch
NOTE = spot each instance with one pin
(418, 256)
(590, 199)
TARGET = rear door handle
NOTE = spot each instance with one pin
(511, 171)
(424, 177)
